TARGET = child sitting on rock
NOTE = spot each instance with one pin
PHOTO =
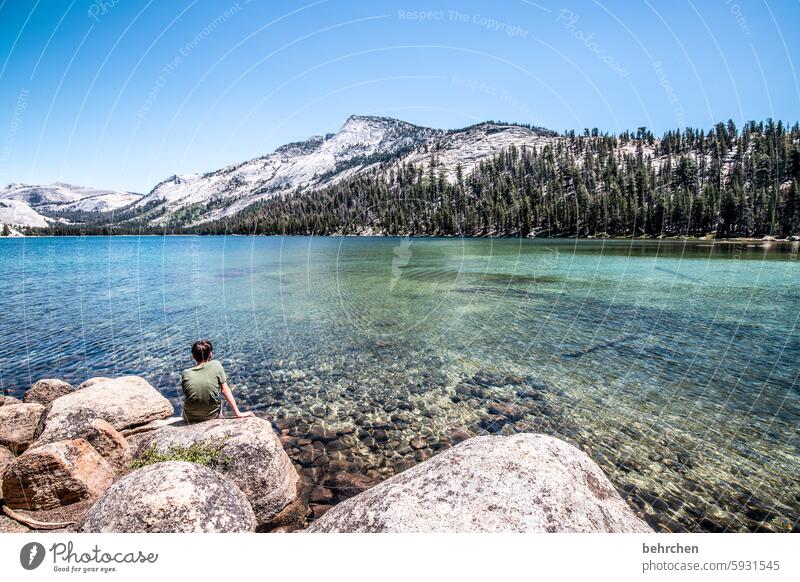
(202, 385)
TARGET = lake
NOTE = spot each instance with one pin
(673, 364)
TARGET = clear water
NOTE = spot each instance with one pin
(674, 365)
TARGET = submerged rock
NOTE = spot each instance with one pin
(510, 411)
(54, 475)
(250, 455)
(459, 435)
(171, 497)
(521, 483)
(122, 402)
(45, 391)
(346, 485)
(18, 425)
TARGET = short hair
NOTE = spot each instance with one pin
(201, 351)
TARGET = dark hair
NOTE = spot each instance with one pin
(201, 351)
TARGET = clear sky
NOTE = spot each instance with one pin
(124, 93)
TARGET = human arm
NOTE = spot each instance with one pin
(226, 392)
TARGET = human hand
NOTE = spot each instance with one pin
(247, 414)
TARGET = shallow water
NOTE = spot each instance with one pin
(674, 365)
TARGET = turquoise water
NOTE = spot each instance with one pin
(674, 365)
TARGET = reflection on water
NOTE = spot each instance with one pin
(674, 365)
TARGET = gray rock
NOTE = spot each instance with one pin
(6, 458)
(45, 391)
(251, 456)
(171, 497)
(9, 400)
(92, 382)
(18, 425)
(155, 425)
(107, 441)
(123, 402)
(521, 483)
(54, 475)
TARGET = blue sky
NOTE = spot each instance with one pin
(124, 93)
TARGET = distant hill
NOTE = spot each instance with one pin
(18, 213)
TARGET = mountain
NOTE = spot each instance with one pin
(362, 144)
(19, 213)
(318, 161)
(499, 180)
(385, 176)
(61, 197)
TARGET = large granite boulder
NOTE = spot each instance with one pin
(18, 425)
(250, 455)
(45, 391)
(107, 441)
(6, 400)
(92, 382)
(171, 497)
(154, 425)
(519, 483)
(6, 458)
(122, 402)
(54, 475)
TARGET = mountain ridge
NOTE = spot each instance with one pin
(362, 142)
(716, 177)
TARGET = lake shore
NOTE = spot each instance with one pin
(766, 239)
(108, 456)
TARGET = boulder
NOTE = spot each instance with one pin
(92, 382)
(45, 391)
(520, 483)
(9, 400)
(122, 402)
(54, 475)
(6, 458)
(251, 456)
(151, 426)
(171, 497)
(18, 425)
(107, 441)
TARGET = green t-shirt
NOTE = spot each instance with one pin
(201, 386)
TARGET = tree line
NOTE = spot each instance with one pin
(724, 182)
